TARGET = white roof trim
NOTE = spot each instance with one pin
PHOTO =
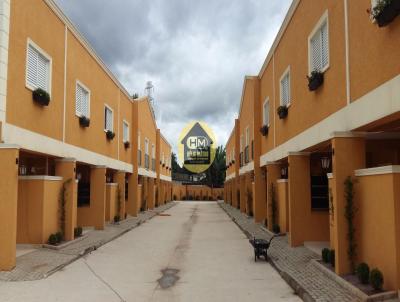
(40, 177)
(378, 171)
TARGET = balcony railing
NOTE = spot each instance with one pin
(146, 161)
(246, 155)
(139, 158)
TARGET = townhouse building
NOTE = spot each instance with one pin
(72, 139)
(323, 116)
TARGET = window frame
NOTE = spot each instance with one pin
(124, 122)
(44, 54)
(324, 19)
(153, 151)
(247, 140)
(79, 83)
(138, 137)
(146, 144)
(269, 110)
(285, 73)
(112, 120)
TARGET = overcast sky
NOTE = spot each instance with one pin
(196, 53)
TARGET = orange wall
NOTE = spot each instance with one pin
(307, 108)
(246, 114)
(166, 149)
(377, 225)
(147, 127)
(38, 210)
(373, 51)
(33, 19)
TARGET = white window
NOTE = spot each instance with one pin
(38, 68)
(153, 151)
(125, 131)
(247, 136)
(163, 159)
(319, 46)
(241, 143)
(266, 113)
(82, 100)
(138, 140)
(285, 88)
(146, 146)
(108, 118)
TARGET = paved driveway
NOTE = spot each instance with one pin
(196, 254)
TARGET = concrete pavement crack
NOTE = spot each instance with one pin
(103, 281)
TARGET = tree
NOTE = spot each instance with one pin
(216, 172)
(135, 96)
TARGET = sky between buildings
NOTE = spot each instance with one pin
(196, 53)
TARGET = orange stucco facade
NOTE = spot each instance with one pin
(47, 149)
(347, 123)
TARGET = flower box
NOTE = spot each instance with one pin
(282, 112)
(127, 145)
(84, 121)
(41, 97)
(315, 80)
(385, 11)
(110, 134)
(264, 130)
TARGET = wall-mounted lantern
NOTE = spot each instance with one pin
(325, 163)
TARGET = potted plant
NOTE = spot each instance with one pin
(41, 97)
(282, 111)
(110, 134)
(84, 121)
(127, 144)
(315, 80)
(264, 130)
(385, 11)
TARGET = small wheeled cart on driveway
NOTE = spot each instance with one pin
(261, 247)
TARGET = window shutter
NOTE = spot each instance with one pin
(316, 52)
(42, 72)
(108, 119)
(32, 63)
(78, 101)
(125, 132)
(285, 97)
(325, 45)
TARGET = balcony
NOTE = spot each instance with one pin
(139, 158)
(246, 155)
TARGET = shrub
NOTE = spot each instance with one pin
(332, 258)
(110, 135)
(376, 279)
(59, 237)
(276, 228)
(282, 112)
(41, 97)
(52, 239)
(77, 232)
(325, 255)
(362, 272)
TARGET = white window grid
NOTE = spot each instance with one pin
(108, 118)
(38, 68)
(153, 151)
(82, 100)
(146, 146)
(318, 46)
(241, 143)
(125, 130)
(138, 140)
(247, 136)
(266, 112)
(285, 88)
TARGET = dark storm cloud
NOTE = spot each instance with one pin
(195, 52)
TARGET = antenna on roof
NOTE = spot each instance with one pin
(149, 90)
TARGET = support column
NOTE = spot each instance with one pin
(273, 174)
(98, 196)
(299, 197)
(348, 155)
(66, 168)
(9, 156)
(131, 204)
(151, 195)
(120, 180)
(242, 194)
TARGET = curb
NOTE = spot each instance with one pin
(299, 290)
(94, 247)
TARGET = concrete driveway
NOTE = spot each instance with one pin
(195, 254)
